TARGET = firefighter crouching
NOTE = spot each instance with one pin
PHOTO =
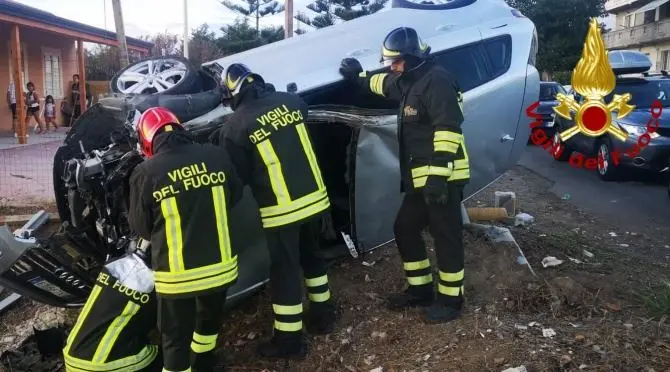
(180, 199)
(112, 330)
(434, 169)
(268, 141)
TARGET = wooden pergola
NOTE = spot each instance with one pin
(20, 16)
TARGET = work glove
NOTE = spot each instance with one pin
(350, 68)
(436, 190)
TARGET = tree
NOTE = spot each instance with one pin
(254, 8)
(164, 44)
(240, 36)
(561, 29)
(202, 46)
(330, 11)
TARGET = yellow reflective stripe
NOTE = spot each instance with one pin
(446, 135)
(173, 233)
(295, 204)
(202, 348)
(389, 53)
(449, 291)
(196, 273)
(113, 332)
(445, 146)
(221, 213)
(377, 83)
(204, 339)
(273, 165)
(420, 181)
(287, 309)
(363, 74)
(452, 277)
(440, 171)
(461, 164)
(416, 265)
(319, 297)
(82, 316)
(138, 361)
(460, 175)
(169, 370)
(197, 285)
(420, 280)
(297, 215)
(203, 343)
(288, 327)
(315, 282)
(309, 152)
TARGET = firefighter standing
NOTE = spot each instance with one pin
(112, 330)
(433, 165)
(269, 143)
(180, 198)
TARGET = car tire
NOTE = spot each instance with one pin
(606, 169)
(185, 106)
(184, 77)
(563, 155)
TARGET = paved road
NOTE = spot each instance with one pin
(638, 206)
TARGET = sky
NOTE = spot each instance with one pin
(142, 17)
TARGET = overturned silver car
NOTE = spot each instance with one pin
(487, 45)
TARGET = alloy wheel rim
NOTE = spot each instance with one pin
(603, 159)
(151, 76)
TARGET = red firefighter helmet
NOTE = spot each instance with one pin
(150, 123)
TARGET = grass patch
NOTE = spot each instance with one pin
(657, 300)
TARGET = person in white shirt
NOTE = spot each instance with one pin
(11, 102)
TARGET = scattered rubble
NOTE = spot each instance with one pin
(523, 219)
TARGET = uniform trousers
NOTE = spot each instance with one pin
(445, 224)
(189, 330)
(293, 248)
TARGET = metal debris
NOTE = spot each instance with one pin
(548, 332)
(550, 261)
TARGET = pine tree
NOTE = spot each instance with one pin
(254, 8)
(331, 11)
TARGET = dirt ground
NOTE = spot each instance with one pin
(605, 308)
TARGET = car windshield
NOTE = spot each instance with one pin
(548, 92)
(644, 93)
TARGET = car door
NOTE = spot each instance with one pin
(491, 109)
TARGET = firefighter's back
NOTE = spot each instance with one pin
(192, 252)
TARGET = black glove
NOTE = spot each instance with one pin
(436, 190)
(350, 68)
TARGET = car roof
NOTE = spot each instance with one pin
(311, 60)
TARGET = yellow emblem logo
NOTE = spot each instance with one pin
(593, 78)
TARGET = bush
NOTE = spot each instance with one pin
(563, 77)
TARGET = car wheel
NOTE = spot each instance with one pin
(607, 170)
(157, 75)
(559, 150)
(431, 4)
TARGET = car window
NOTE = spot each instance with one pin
(560, 89)
(499, 52)
(644, 93)
(546, 92)
(466, 64)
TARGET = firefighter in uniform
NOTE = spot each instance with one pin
(112, 330)
(180, 198)
(434, 169)
(268, 141)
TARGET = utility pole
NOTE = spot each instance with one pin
(120, 33)
(104, 7)
(186, 29)
(288, 19)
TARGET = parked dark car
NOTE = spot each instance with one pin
(644, 89)
(548, 92)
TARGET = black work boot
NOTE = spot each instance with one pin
(287, 345)
(412, 297)
(321, 317)
(443, 311)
